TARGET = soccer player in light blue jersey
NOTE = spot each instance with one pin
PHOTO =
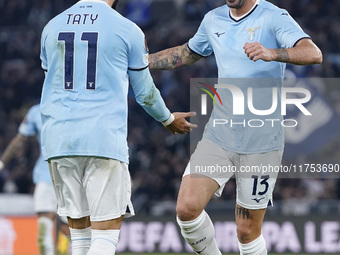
(45, 203)
(251, 39)
(89, 53)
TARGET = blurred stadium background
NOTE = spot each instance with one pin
(305, 217)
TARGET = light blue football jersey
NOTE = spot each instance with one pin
(31, 126)
(221, 34)
(87, 52)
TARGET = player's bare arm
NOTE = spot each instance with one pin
(180, 124)
(15, 145)
(173, 58)
(305, 52)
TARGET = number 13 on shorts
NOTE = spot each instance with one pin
(262, 187)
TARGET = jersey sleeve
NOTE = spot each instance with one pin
(147, 95)
(43, 56)
(138, 54)
(200, 42)
(27, 126)
(287, 30)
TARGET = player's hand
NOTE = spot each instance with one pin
(256, 51)
(2, 165)
(180, 125)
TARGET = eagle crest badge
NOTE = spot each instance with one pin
(251, 33)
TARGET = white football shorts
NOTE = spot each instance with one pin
(44, 198)
(255, 174)
(92, 186)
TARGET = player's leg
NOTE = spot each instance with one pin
(196, 225)
(249, 223)
(108, 191)
(67, 174)
(80, 230)
(194, 194)
(45, 205)
(105, 235)
(63, 226)
(45, 233)
(254, 193)
(197, 187)
(63, 237)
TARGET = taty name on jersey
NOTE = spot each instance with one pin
(81, 19)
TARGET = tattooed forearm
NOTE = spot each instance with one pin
(242, 213)
(172, 58)
(158, 63)
(305, 52)
(177, 61)
(282, 55)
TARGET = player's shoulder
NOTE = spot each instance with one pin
(120, 24)
(56, 20)
(222, 10)
(129, 24)
(271, 9)
(35, 109)
(218, 11)
(31, 117)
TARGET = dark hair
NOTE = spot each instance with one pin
(115, 4)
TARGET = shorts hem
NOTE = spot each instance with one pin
(73, 215)
(253, 207)
(112, 216)
(220, 183)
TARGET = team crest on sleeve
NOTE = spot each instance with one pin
(146, 58)
(251, 32)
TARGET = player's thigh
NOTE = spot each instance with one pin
(209, 160)
(108, 189)
(67, 174)
(44, 198)
(194, 194)
(206, 174)
(255, 184)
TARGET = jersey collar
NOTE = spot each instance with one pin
(238, 19)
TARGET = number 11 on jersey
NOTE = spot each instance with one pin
(91, 69)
